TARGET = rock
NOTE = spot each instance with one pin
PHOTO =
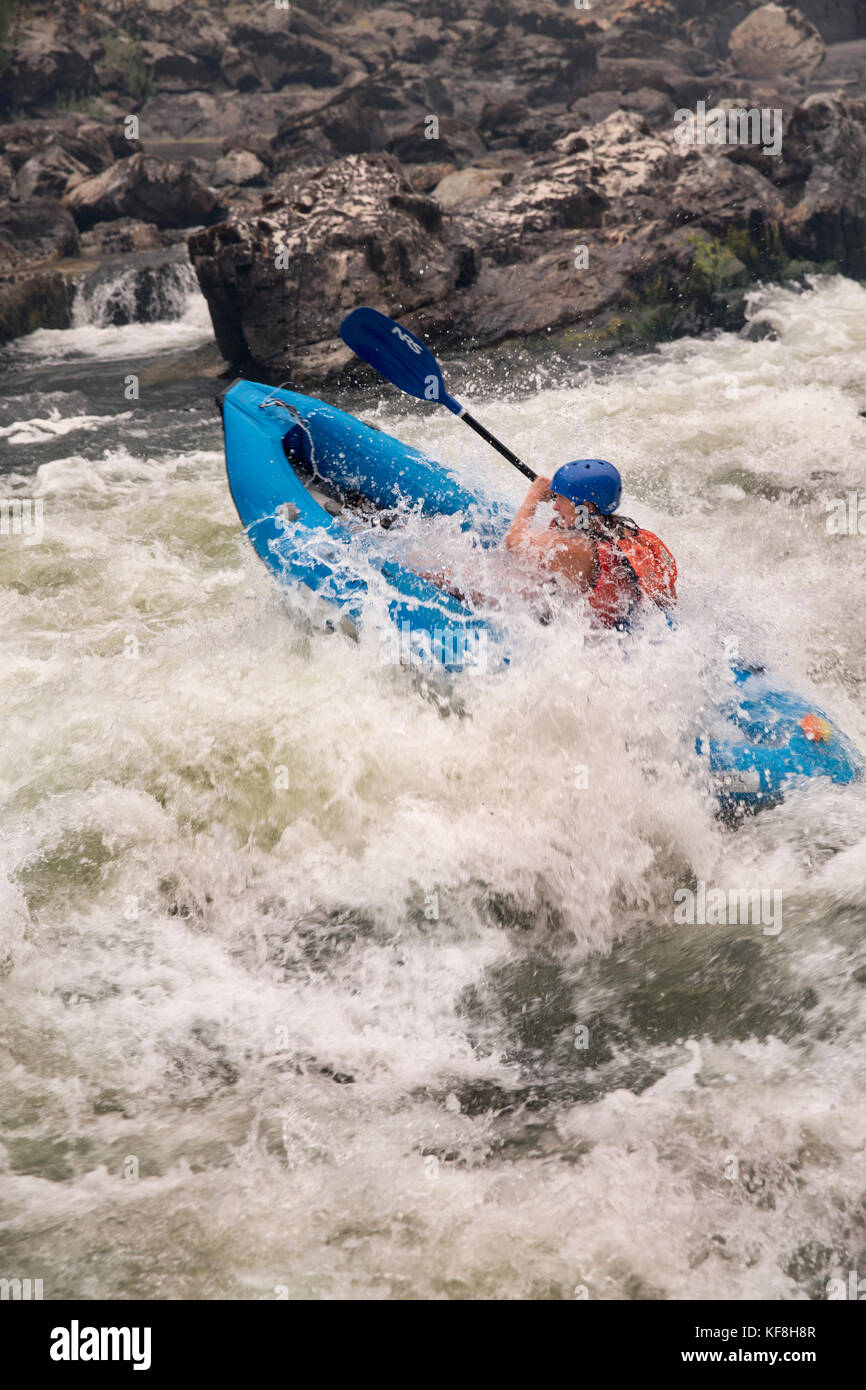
(207, 118)
(174, 71)
(451, 139)
(45, 64)
(42, 299)
(405, 94)
(424, 177)
(353, 126)
(354, 233)
(255, 141)
(48, 174)
(39, 229)
(122, 147)
(190, 115)
(548, 68)
(615, 234)
(89, 143)
(284, 46)
(346, 124)
(466, 186)
(238, 71)
(501, 122)
(120, 238)
(824, 154)
(198, 30)
(637, 24)
(630, 75)
(510, 124)
(144, 187)
(239, 167)
(776, 41)
(656, 106)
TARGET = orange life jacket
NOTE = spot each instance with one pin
(633, 566)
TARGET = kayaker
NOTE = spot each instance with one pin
(616, 564)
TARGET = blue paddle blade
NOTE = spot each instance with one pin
(397, 355)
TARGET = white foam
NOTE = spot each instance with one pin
(54, 426)
(202, 957)
(111, 342)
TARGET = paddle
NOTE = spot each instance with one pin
(404, 360)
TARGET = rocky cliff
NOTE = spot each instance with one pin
(486, 169)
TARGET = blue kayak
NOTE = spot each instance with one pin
(298, 469)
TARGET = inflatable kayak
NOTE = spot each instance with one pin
(312, 485)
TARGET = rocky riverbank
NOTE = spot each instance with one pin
(487, 171)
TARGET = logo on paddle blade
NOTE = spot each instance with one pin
(407, 339)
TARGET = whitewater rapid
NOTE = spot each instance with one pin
(296, 958)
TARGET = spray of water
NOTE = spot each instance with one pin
(297, 952)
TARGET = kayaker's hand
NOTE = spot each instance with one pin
(540, 489)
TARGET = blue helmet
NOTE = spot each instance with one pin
(589, 480)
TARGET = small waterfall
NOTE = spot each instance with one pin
(149, 287)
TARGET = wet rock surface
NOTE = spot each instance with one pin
(616, 234)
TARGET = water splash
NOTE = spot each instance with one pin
(315, 952)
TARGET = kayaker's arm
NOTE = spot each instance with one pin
(519, 528)
(566, 552)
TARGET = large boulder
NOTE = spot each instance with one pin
(39, 229)
(39, 299)
(825, 151)
(281, 280)
(615, 234)
(144, 187)
(776, 42)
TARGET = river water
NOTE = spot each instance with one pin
(317, 986)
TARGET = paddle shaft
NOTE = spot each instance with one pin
(491, 439)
